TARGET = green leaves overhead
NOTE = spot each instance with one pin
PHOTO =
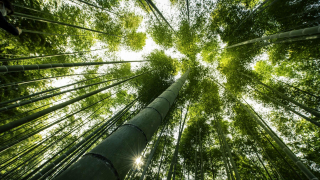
(250, 104)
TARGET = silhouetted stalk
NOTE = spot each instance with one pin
(46, 56)
(161, 159)
(306, 92)
(286, 150)
(284, 159)
(62, 150)
(310, 110)
(16, 14)
(21, 103)
(31, 117)
(155, 7)
(18, 68)
(153, 12)
(46, 33)
(57, 161)
(228, 150)
(47, 126)
(289, 108)
(49, 90)
(224, 158)
(175, 154)
(152, 152)
(42, 79)
(289, 34)
(250, 14)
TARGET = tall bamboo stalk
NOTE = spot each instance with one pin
(310, 110)
(286, 150)
(46, 91)
(289, 108)
(16, 14)
(175, 154)
(51, 95)
(17, 68)
(51, 165)
(152, 153)
(46, 56)
(155, 7)
(111, 157)
(235, 169)
(31, 117)
(289, 34)
(41, 79)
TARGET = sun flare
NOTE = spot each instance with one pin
(138, 161)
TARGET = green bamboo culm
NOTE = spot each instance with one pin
(220, 131)
(42, 79)
(10, 144)
(152, 153)
(16, 14)
(52, 34)
(290, 109)
(79, 144)
(155, 7)
(51, 95)
(16, 68)
(46, 56)
(289, 34)
(31, 117)
(285, 149)
(110, 159)
(46, 91)
(175, 154)
(251, 13)
(89, 4)
(310, 110)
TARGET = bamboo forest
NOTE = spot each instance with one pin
(160, 89)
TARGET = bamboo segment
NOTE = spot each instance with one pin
(31, 117)
(57, 22)
(46, 56)
(285, 149)
(289, 34)
(112, 158)
(17, 68)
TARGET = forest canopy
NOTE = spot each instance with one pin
(161, 89)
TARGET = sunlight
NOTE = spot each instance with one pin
(138, 161)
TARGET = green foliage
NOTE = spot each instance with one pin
(135, 40)
(199, 44)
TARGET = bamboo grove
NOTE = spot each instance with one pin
(150, 89)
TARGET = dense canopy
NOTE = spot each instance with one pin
(159, 89)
